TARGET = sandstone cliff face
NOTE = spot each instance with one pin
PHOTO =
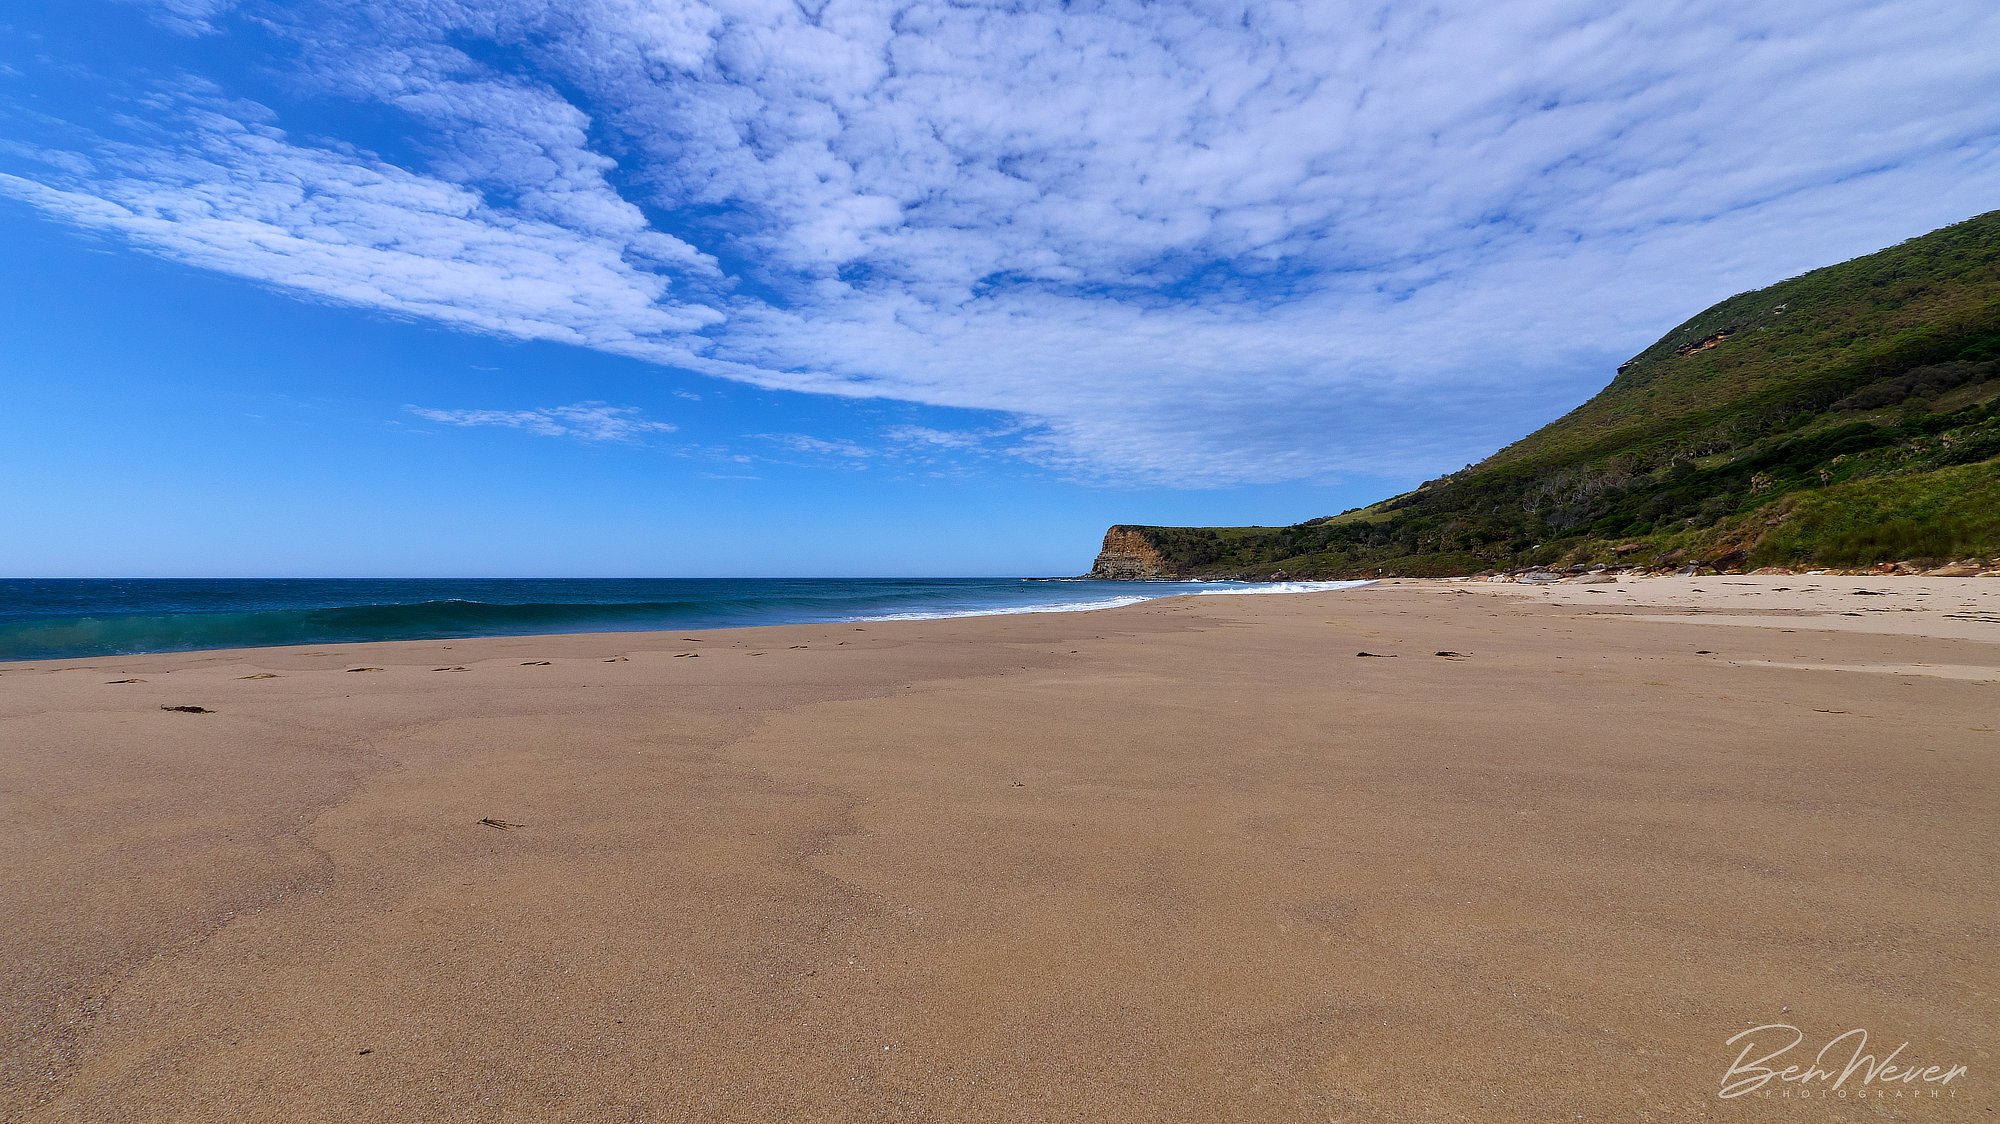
(1127, 556)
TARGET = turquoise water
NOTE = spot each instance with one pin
(67, 618)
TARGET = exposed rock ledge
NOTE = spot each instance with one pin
(1127, 556)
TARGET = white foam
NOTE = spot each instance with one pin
(1285, 587)
(1115, 602)
(1057, 607)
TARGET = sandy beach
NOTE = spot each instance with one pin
(1194, 859)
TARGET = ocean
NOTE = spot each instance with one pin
(66, 618)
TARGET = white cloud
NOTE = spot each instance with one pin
(920, 435)
(805, 443)
(1191, 242)
(591, 421)
(187, 17)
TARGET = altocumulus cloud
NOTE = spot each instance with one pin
(1179, 242)
(591, 421)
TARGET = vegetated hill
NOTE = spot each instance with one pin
(1843, 417)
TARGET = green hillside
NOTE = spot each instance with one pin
(1843, 417)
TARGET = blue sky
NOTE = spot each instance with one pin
(703, 288)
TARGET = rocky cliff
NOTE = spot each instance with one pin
(1127, 556)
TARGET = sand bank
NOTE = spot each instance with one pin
(1186, 860)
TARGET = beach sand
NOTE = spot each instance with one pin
(1188, 860)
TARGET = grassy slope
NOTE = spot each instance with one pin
(1840, 328)
(1868, 386)
(1946, 513)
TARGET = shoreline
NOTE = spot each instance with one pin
(239, 615)
(1260, 587)
(1820, 598)
(1185, 859)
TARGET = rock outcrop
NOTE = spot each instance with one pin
(1127, 556)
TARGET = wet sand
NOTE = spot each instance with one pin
(1186, 860)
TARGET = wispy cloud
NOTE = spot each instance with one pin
(955, 439)
(805, 443)
(187, 17)
(590, 421)
(1181, 242)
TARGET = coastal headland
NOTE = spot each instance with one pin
(1840, 420)
(1424, 851)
